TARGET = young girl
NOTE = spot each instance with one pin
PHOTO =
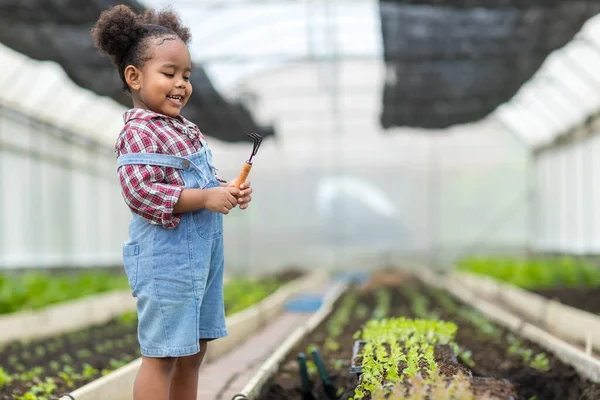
(174, 255)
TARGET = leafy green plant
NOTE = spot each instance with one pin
(391, 344)
(43, 390)
(34, 290)
(479, 321)
(89, 371)
(419, 304)
(467, 357)
(338, 322)
(535, 273)
(434, 387)
(384, 299)
(68, 375)
(412, 362)
(27, 396)
(241, 293)
(5, 378)
(540, 362)
(32, 374)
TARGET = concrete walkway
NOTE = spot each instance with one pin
(226, 376)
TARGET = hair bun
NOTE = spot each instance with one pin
(169, 19)
(116, 30)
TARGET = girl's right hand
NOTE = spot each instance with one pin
(221, 199)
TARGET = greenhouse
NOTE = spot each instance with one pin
(424, 219)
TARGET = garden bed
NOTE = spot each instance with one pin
(569, 323)
(484, 349)
(34, 290)
(572, 282)
(50, 367)
(586, 299)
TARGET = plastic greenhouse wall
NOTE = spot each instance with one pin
(335, 190)
(567, 198)
(60, 202)
(329, 192)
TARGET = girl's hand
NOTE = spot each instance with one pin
(221, 199)
(245, 194)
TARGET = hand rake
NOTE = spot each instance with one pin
(248, 164)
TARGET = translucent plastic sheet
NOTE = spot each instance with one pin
(333, 189)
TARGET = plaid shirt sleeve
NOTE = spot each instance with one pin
(143, 186)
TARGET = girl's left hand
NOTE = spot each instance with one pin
(245, 194)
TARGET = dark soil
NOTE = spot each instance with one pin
(587, 299)
(111, 344)
(490, 356)
(491, 359)
(502, 388)
(74, 359)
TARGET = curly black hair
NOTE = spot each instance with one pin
(125, 36)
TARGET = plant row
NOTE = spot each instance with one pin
(33, 290)
(536, 273)
(482, 360)
(397, 350)
(404, 358)
(43, 369)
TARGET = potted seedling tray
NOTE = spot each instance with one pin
(443, 354)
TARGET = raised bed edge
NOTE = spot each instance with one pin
(65, 317)
(560, 319)
(118, 384)
(270, 366)
(83, 312)
(586, 365)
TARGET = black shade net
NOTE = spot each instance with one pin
(58, 30)
(448, 61)
(454, 61)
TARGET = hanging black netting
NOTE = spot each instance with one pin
(454, 61)
(58, 30)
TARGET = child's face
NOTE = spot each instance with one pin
(165, 79)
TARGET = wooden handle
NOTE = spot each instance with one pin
(243, 174)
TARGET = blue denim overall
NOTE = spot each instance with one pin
(177, 273)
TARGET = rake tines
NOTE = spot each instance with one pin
(248, 165)
(257, 141)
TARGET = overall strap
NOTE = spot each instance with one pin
(162, 160)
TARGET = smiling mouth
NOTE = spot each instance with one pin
(176, 99)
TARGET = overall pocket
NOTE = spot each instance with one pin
(209, 224)
(131, 255)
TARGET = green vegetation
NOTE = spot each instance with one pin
(241, 293)
(34, 290)
(67, 359)
(394, 350)
(535, 273)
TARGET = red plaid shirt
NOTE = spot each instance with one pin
(152, 191)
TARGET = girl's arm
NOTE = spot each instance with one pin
(190, 200)
(142, 185)
(147, 196)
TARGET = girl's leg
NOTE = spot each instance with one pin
(153, 379)
(184, 384)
